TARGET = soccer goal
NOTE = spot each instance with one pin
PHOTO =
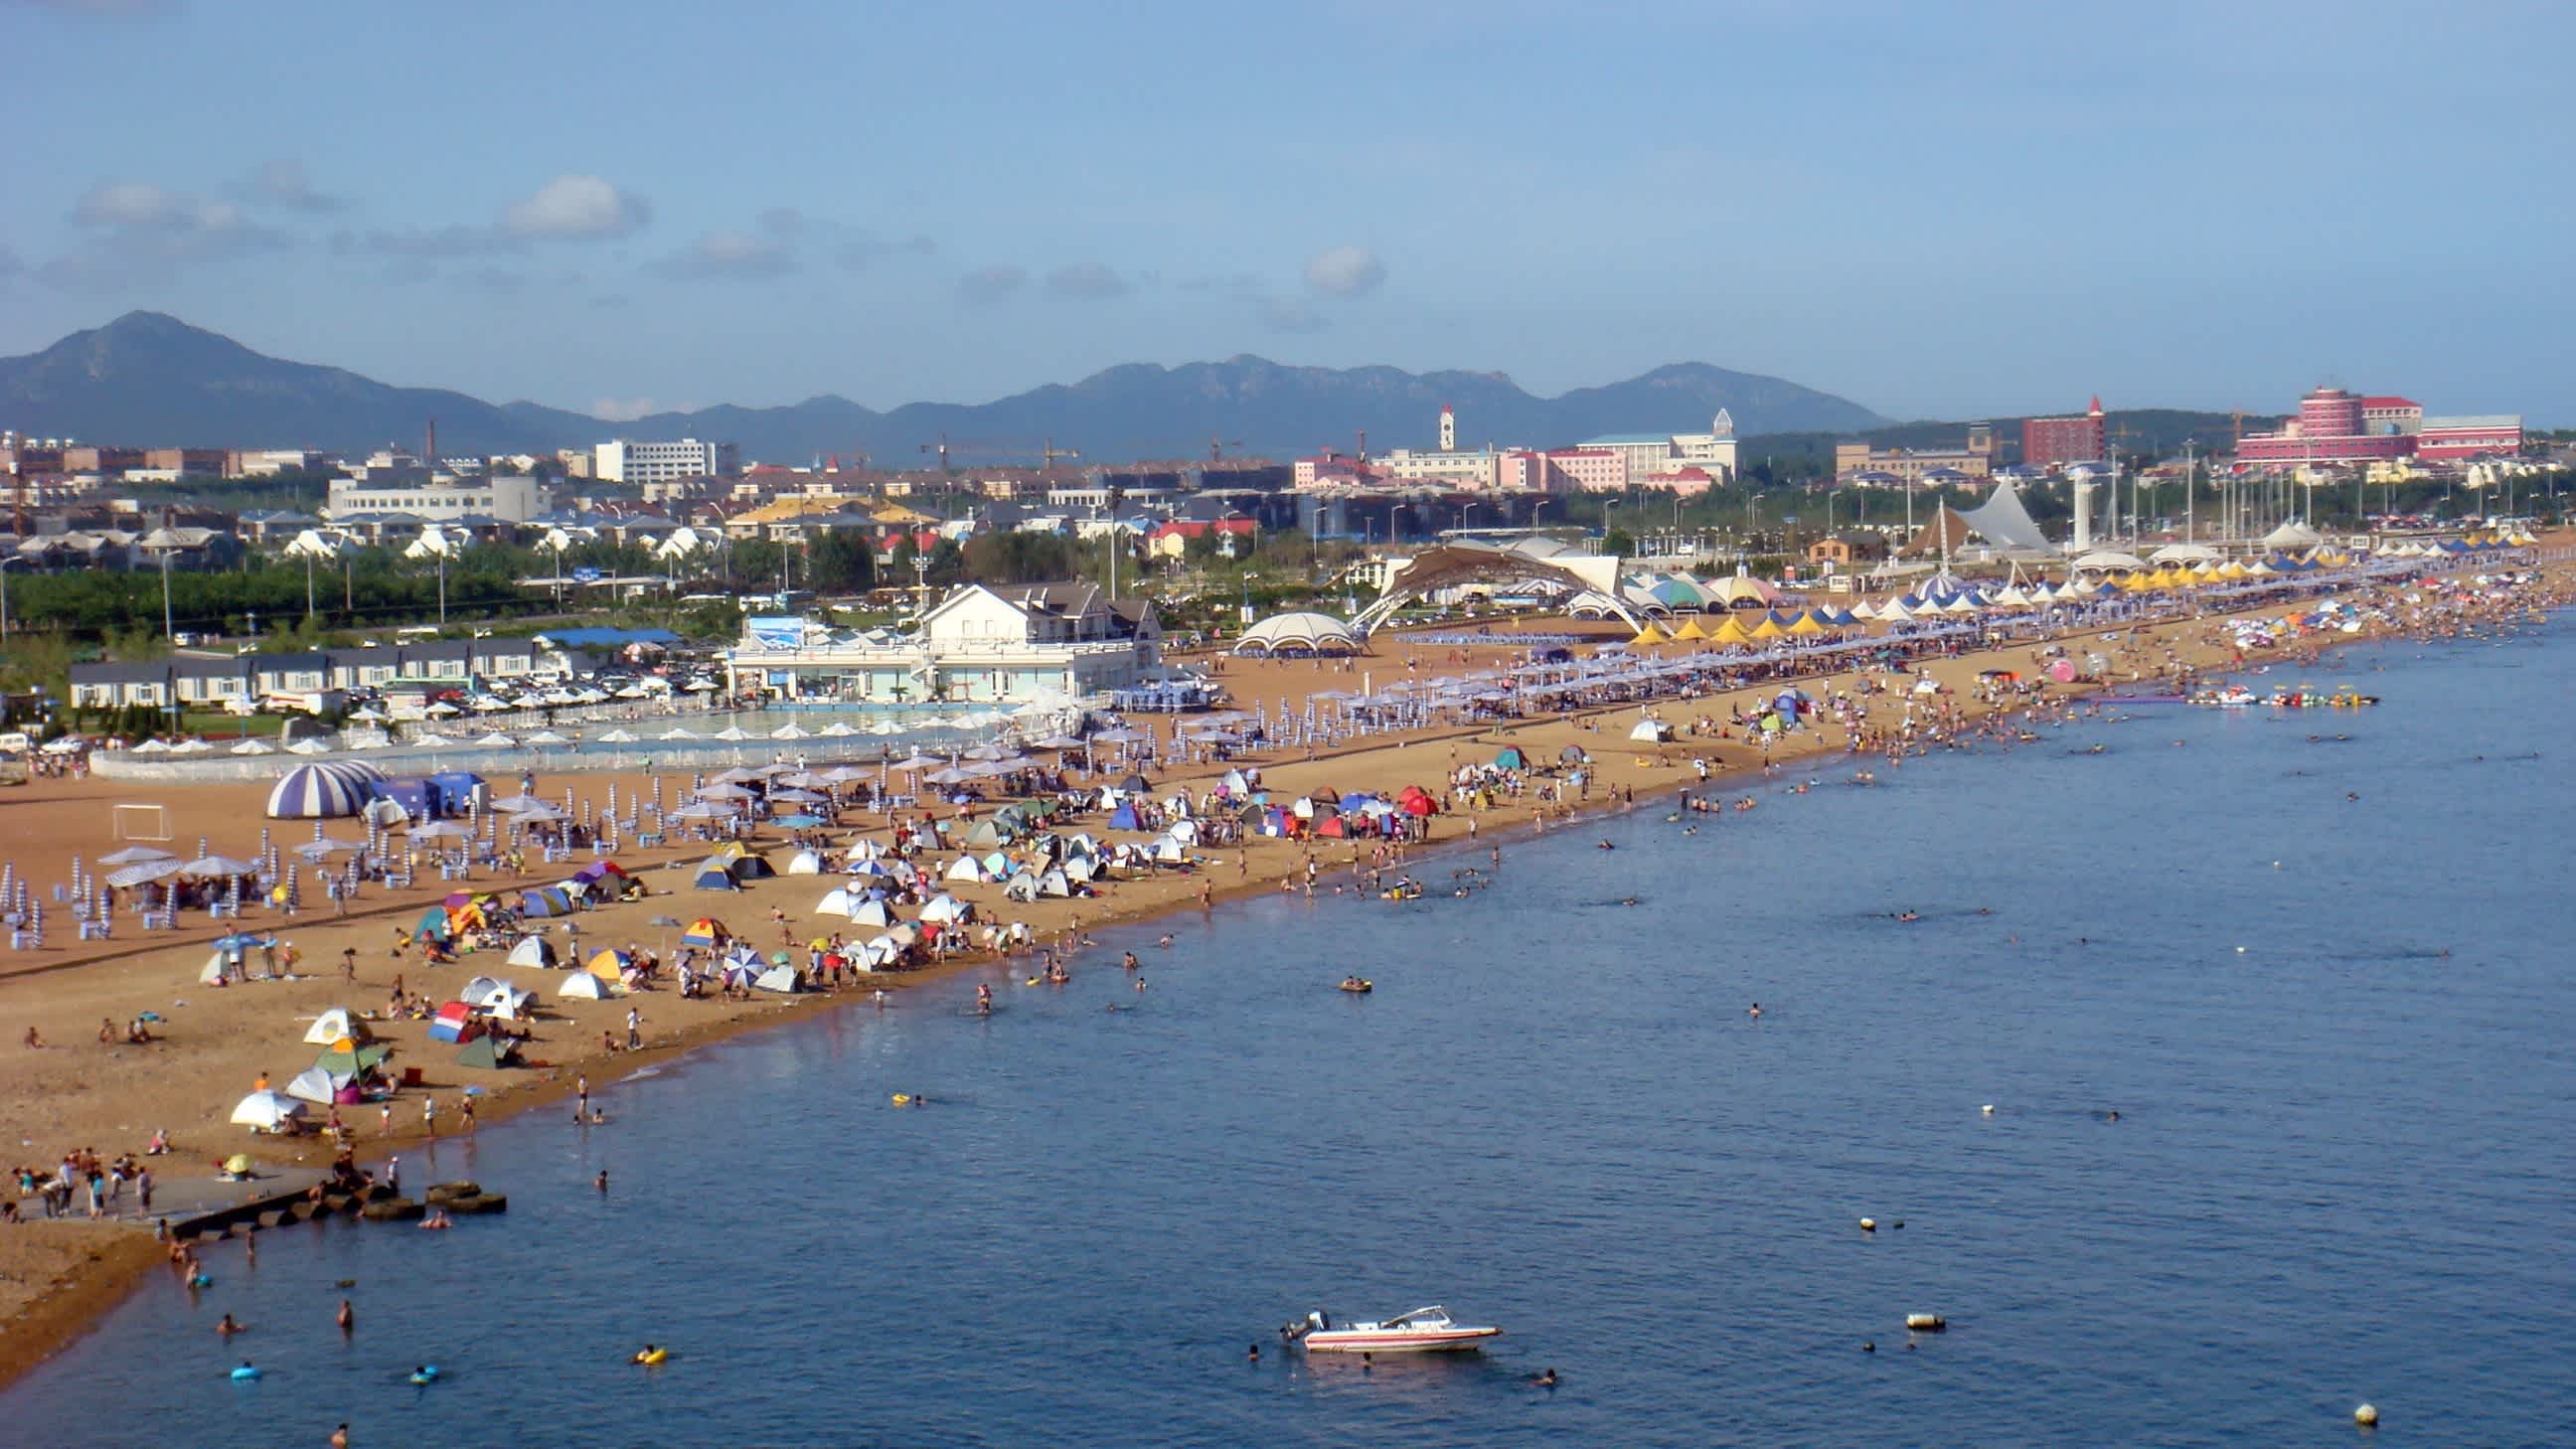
(140, 822)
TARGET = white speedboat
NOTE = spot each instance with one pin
(1424, 1330)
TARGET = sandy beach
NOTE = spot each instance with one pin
(76, 1091)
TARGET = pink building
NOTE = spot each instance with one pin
(1591, 470)
(1687, 482)
(2328, 429)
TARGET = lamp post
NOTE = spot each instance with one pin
(167, 632)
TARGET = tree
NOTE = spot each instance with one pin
(841, 562)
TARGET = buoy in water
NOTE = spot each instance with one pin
(1869, 1225)
(1988, 1109)
(2240, 950)
(2366, 1416)
(903, 1099)
(1926, 1323)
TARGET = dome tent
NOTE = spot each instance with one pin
(331, 790)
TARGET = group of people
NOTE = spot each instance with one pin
(59, 1189)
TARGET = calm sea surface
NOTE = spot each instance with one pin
(2341, 1168)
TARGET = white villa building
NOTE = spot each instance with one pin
(986, 643)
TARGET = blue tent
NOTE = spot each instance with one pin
(1509, 758)
(1124, 818)
(713, 876)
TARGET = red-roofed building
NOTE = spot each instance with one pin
(1170, 540)
(2392, 415)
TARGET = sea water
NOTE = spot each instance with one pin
(2334, 1029)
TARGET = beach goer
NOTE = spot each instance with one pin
(347, 1317)
(227, 1328)
(340, 1437)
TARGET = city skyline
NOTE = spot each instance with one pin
(639, 208)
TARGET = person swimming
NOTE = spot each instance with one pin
(984, 999)
(436, 1221)
(649, 1353)
(1754, 1011)
(1546, 1380)
(1129, 960)
(1909, 915)
(347, 1317)
(227, 1328)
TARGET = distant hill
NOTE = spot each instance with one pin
(151, 380)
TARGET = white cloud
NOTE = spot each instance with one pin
(623, 409)
(135, 231)
(282, 182)
(1345, 271)
(576, 208)
(734, 254)
(1087, 281)
(991, 284)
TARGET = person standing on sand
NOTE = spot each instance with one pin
(634, 1028)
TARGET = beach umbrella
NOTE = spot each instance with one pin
(136, 855)
(216, 867)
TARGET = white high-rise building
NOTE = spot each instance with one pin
(627, 461)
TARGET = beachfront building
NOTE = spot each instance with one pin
(623, 460)
(1864, 464)
(442, 498)
(2335, 426)
(2054, 442)
(985, 643)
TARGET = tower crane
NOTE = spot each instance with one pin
(1218, 445)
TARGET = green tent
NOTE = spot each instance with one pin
(349, 1064)
(488, 1052)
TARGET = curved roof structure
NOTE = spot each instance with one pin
(1453, 564)
(1298, 633)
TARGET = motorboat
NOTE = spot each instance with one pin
(2235, 696)
(1358, 986)
(1424, 1330)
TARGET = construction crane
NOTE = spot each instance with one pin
(941, 448)
(1217, 447)
(1048, 452)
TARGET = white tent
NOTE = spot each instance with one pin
(780, 978)
(583, 986)
(334, 1024)
(967, 868)
(313, 1084)
(267, 1112)
(805, 862)
(1653, 731)
(873, 913)
(216, 967)
(1054, 883)
(945, 907)
(500, 998)
(1021, 887)
(532, 951)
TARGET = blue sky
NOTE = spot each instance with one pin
(1936, 210)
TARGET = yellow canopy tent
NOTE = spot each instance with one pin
(1807, 625)
(1730, 632)
(1769, 628)
(1690, 630)
(1649, 635)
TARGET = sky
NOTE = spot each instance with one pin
(1936, 210)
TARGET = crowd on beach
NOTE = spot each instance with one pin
(1877, 705)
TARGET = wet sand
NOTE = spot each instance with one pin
(54, 1277)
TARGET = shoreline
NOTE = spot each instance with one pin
(106, 1271)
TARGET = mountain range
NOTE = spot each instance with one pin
(151, 380)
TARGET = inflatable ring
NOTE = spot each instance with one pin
(427, 1375)
(201, 1281)
(903, 1099)
(245, 1373)
(655, 1357)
